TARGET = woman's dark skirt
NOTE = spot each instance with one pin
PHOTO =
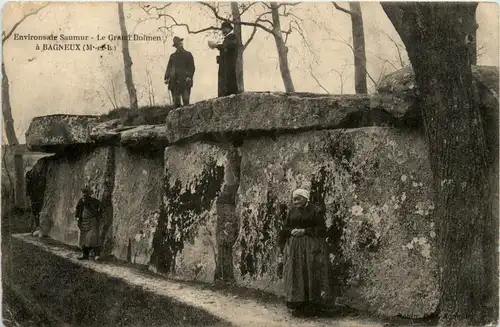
(306, 273)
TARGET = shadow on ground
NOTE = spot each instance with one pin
(46, 290)
(72, 299)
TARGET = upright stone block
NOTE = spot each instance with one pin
(136, 203)
(375, 184)
(187, 240)
(66, 175)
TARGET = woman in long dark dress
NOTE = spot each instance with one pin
(306, 262)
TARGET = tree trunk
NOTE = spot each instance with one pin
(358, 44)
(127, 60)
(473, 45)
(457, 149)
(237, 30)
(10, 132)
(282, 50)
(20, 191)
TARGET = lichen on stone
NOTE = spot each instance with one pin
(188, 210)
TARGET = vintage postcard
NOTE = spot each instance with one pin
(250, 163)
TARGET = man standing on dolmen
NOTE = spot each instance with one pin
(88, 215)
(179, 73)
(227, 60)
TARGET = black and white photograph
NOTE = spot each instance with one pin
(253, 164)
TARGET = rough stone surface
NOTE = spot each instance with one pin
(136, 203)
(402, 86)
(186, 245)
(403, 80)
(66, 175)
(150, 136)
(36, 181)
(106, 132)
(55, 132)
(374, 183)
(255, 113)
(239, 116)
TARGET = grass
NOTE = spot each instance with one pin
(77, 296)
(74, 295)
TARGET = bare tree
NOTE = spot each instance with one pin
(267, 19)
(149, 90)
(281, 46)
(270, 22)
(237, 10)
(341, 73)
(472, 39)
(358, 45)
(127, 60)
(111, 95)
(436, 35)
(10, 131)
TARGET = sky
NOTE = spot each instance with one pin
(44, 82)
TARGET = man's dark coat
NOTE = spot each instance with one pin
(228, 58)
(180, 66)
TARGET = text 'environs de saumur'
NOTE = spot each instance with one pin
(98, 37)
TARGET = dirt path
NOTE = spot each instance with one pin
(238, 311)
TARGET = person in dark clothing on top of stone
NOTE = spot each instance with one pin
(227, 60)
(88, 215)
(179, 73)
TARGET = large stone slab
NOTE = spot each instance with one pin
(375, 184)
(66, 175)
(402, 86)
(55, 132)
(136, 203)
(403, 80)
(186, 245)
(255, 113)
(145, 136)
(107, 132)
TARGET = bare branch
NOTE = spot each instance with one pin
(250, 38)
(219, 17)
(481, 50)
(148, 8)
(316, 80)
(214, 10)
(386, 61)
(9, 34)
(381, 75)
(342, 9)
(369, 75)
(206, 29)
(290, 4)
(398, 49)
(343, 42)
(159, 15)
(265, 4)
(245, 8)
(113, 102)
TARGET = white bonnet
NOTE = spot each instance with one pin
(302, 192)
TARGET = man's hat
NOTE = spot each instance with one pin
(87, 190)
(177, 40)
(226, 24)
